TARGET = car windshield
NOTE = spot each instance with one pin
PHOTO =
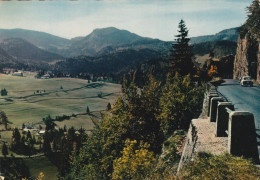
(246, 78)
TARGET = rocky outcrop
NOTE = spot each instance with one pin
(247, 59)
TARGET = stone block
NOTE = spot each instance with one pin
(210, 96)
(222, 118)
(242, 135)
(213, 107)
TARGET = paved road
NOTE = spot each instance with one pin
(244, 99)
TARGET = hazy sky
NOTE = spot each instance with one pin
(149, 18)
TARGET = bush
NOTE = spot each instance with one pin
(136, 162)
(100, 95)
(208, 166)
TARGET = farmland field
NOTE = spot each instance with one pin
(29, 99)
(41, 164)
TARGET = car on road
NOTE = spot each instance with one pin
(246, 81)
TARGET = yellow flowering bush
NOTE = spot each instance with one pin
(135, 163)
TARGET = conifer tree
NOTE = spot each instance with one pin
(4, 150)
(87, 110)
(3, 118)
(46, 143)
(182, 52)
(253, 20)
(108, 106)
(252, 25)
(28, 136)
(16, 138)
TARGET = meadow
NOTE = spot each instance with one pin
(30, 99)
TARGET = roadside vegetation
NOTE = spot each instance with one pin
(208, 166)
(139, 134)
(128, 141)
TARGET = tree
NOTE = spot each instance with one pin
(252, 24)
(3, 118)
(46, 143)
(213, 71)
(30, 146)
(182, 52)
(4, 92)
(135, 163)
(87, 110)
(108, 106)
(49, 122)
(124, 84)
(4, 150)
(28, 136)
(16, 139)
(181, 101)
(61, 87)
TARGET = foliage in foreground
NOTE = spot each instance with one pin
(221, 167)
(136, 161)
(147, 116)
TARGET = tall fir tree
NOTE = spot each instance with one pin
(87, 110)
(16, 138)
(3, 118)
(4, 150)
(182, 52)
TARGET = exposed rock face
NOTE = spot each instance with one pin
(247, 60)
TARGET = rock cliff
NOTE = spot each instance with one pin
(247, 59)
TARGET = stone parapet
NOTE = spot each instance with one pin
(222, 118)
(242, 135)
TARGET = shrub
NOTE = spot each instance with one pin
(135, 163)
(225, 166)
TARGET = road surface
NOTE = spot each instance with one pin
(244, 99)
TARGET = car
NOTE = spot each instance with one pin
(246, 81)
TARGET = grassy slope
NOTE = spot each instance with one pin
(41, 164)
(22, 105)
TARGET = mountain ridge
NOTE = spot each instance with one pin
(226, 34)
(103, 43)
(26, 52)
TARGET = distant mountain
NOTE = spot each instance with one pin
(40, 39)
(109, 40)
(26, 52)
(110, 47)
(218, 48)
(227, 35)
(5, 58)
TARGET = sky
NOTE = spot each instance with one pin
(149, 18)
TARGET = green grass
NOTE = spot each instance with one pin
(41, 164)
(224, 166)
(21, 105)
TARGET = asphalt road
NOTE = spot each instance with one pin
(244, 99)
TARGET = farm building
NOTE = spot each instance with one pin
(18, 73)
(8, 70)
(46, 76)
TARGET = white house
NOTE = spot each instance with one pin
(46, 76)
(18, 73)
